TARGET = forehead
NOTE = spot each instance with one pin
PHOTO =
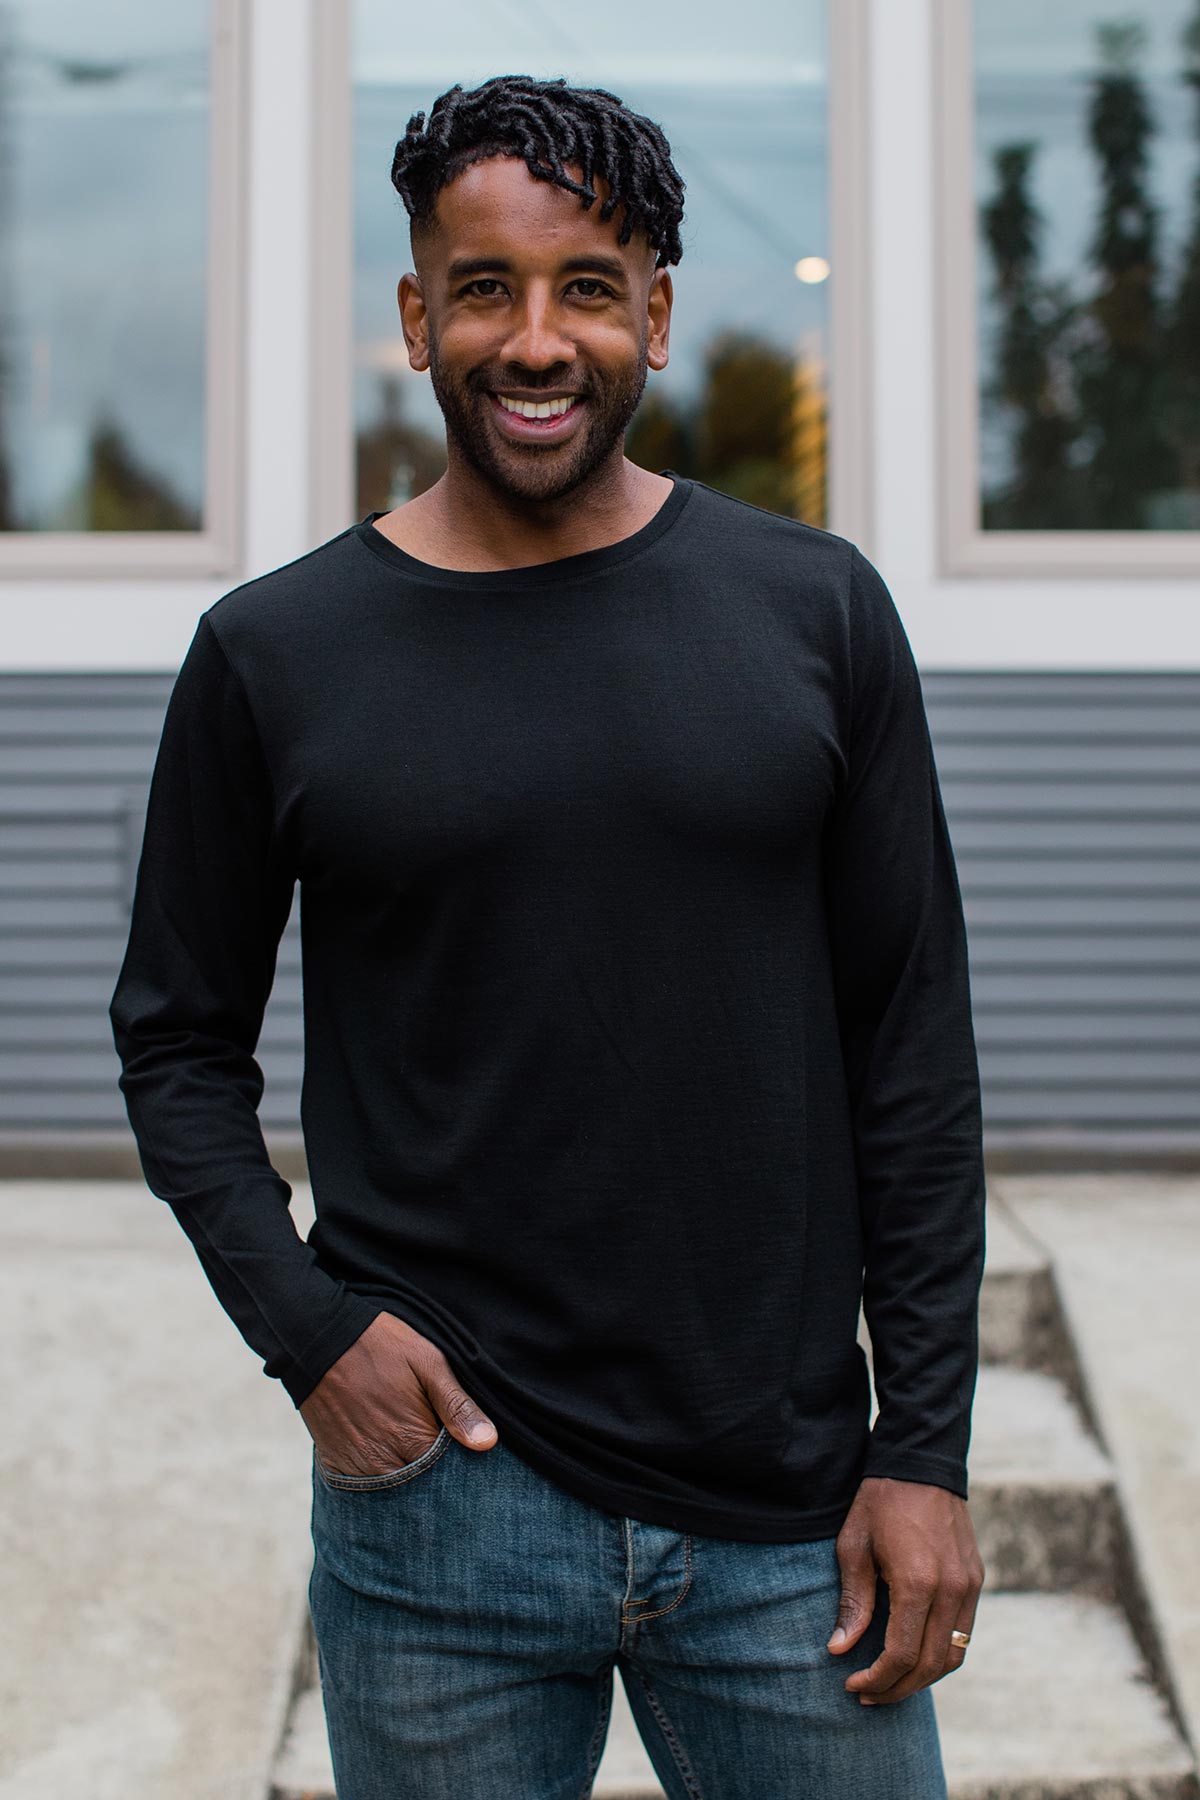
(497, 207)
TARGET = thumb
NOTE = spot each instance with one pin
(460, 1415)
(857, 1602)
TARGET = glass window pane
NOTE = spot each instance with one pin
(1087, 182)
(104, 122)
(742, 402)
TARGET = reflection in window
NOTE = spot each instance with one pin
(742, 403)
(1087, 130)
(104, 120)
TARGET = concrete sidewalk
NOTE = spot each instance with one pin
(154, 1499)
(154, 1504)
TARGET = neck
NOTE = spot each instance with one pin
(478, 519)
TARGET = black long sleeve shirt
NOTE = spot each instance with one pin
(638, 1038)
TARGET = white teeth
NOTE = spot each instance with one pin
(537, 409)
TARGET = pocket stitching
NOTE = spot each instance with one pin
(373, 1483)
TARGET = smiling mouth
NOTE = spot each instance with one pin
(533, 421)
(538, 409)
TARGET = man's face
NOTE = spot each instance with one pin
(522, 296)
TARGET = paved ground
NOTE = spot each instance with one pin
(154, 1487)
(154, 1492)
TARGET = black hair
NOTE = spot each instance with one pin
(548, 124)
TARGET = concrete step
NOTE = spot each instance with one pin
(1063, 1669)
(1066, 1667)
(1020, 1315)
(1043, 1498)
(1052, 1703)
(1019, 1319)
(1042, 1491)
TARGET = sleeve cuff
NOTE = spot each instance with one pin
(299, 1376)
(916, 1465)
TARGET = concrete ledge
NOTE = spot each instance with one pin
(1126, 1252)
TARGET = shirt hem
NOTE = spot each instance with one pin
(651, 1509)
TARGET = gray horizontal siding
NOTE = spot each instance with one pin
(1074, 805)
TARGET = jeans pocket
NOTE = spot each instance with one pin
(369, 1484)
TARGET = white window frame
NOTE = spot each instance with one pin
(964, 547)
(332, 466)
(216, 549)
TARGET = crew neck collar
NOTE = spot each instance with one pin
(547, 574)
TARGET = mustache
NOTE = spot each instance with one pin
(523, 384)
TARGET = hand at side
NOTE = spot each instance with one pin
(921, 1540)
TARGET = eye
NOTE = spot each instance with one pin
(482, 281)
(591, 281)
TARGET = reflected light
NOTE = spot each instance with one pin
(812, 268)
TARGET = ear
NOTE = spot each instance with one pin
(658, 308)
(414, 320)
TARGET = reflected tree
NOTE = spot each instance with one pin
(1181, 406)
(1028, 371)
(1120, 368)
(1029, 378)
(1100, 392)
(8, 519)
(661, 434)
(394, 459)
(118, 492)
(757, 430)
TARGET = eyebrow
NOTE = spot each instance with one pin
(463, 267)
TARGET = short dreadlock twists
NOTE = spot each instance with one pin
(548, 124)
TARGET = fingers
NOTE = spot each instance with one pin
(917, 1650)
(911, 1600)
(857, 1604)
(383, 1402)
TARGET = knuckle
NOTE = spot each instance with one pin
(851, 1544)
(457, 1407)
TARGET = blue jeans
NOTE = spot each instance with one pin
(469, 1613)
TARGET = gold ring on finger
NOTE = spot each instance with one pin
(961, 1638)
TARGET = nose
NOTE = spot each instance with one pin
(538, 339)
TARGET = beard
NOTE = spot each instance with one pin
(535, 471)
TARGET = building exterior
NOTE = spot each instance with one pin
(940, 294)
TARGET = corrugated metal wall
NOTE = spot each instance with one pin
(1074, 805)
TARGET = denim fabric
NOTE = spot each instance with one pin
(469, 1614)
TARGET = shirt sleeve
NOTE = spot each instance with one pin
(211, 899)
(899, 951)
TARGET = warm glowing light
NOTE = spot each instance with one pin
(812, 268)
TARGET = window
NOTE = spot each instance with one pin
(743, 402)
(1073, 411)
(117, 142)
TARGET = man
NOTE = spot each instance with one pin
(638, 1051)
